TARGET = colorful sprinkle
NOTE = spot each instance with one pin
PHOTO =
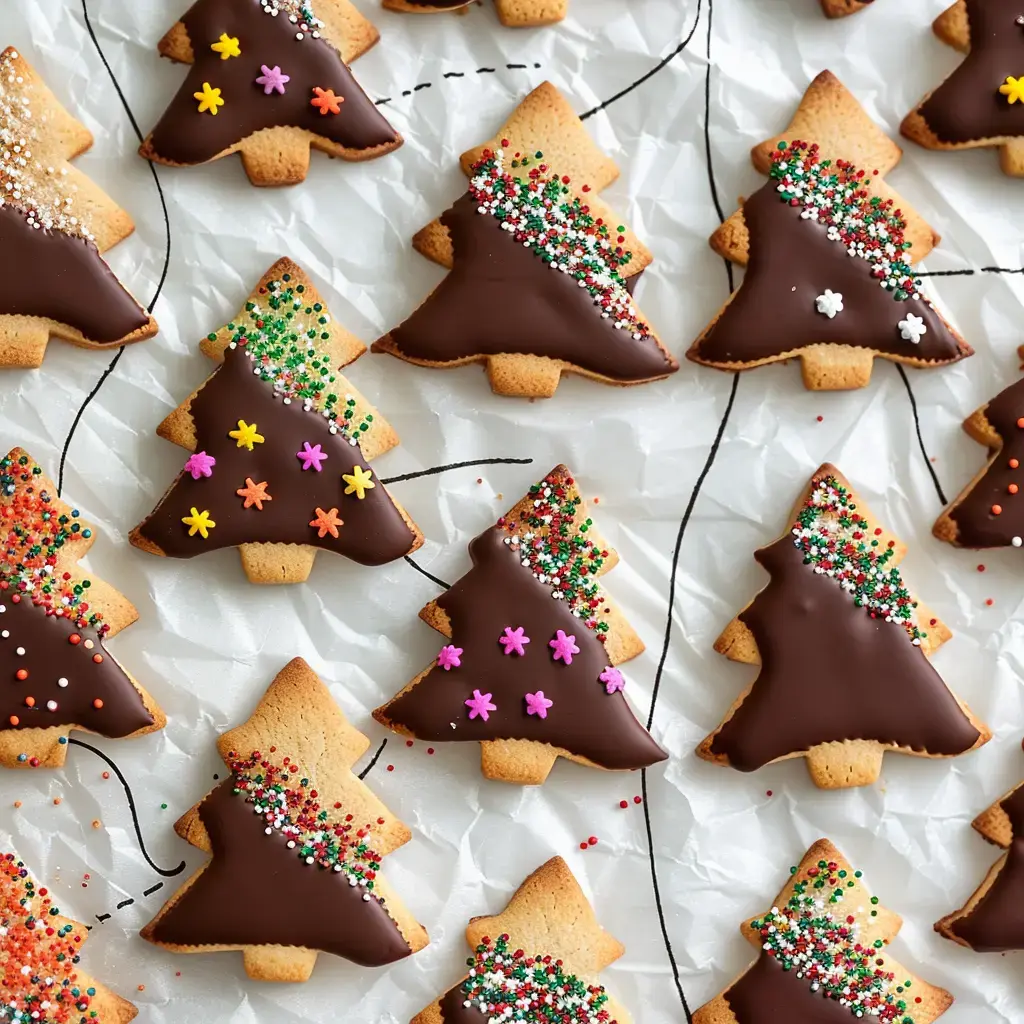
(209, 99)
(358, 482)
(449, 657)
(557, 227)
(254, 494)
(514, 640)
(1013, 90)
(838, 542)
(480, 705)
(502, 979)
(325, 101)
(912, 329)
(311, 457)
(823, 946)
(326, 522)
(613, 680)
(200, 464)
(246, 436)
(563, 647)
(199, 522)
(866, 226)
(829, 303)
(272, 80)
(537, 704)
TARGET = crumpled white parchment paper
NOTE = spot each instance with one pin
(208, 643)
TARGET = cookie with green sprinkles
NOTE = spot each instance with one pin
(293, 822)
(541, 272)
(536, 962)
(843, 653)
(824, 957)
(281, 445)
(55, 622)
(40, 952)
(828, 251)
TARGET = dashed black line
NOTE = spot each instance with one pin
(457, 74)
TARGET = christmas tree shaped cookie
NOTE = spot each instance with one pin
(828, 249)
(988, 512)
(54, 223)
(531, 209)
(823, 957)
(40, 950)
(993, 919)
(54, 622)
(529, 669)
(843, 651)
(281, 445)
(296, 842)
(841, 8)
(540, 955)
(269, 80)
(513, 13)
(980, 104)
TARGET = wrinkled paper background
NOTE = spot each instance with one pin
(207, 643)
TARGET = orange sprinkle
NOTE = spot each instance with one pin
(74, 639)
(30, 702)
(142, 988)
(97, 703)
(997, 510)
(17, 803)
(1020, 422)
(97, 823)
(98, 658)
(56, 801)
(22, 673)
(106, 775)
(1014, 463)
(14, 720)
(1013, 488)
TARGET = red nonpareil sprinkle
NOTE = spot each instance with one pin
(821, 419)
(623, 804)
(638, 800)
(981, 568)
(989, 602)
(592, 841)
(391, 767)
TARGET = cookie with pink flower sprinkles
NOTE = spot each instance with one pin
(537, 962)
(40, 952)
(54, 625)
(530, 667)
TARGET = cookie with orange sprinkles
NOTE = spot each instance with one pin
(54, 624)
(40, 950)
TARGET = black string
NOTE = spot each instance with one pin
(430, 576)
(456, 465)
(167, 250)
(944, 273)
(131, 807)
(376, 757)
(452, 74)
(664, 62)
(920, 439)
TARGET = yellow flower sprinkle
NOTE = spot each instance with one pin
(209, 99)
(245, 436)
(359, 481)
(199, 522)
(1013, 90)
(227, 46)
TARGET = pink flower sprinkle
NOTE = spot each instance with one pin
(272, 80)
(200, 464)
(312, 458)
(450, 657)
(480, 705)
(564, 647)
(537, 704)
(514, 640)
(612, 679)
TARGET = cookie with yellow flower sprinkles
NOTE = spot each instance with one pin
(843, 653)
(981, 104)
(829, 252)
(532, 208)
(293, 820)
(530, 666)
(824, 957)
(41, 981)
(280, 445)
(269, 79)
(54, 225)
(54, 624)
(512, 13)
(537, 962)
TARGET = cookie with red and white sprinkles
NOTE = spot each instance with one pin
(537, 961)
(542, 273)
(54, 624)
(40, 952)
(823, 956)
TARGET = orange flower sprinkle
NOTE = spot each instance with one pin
(326, 102)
